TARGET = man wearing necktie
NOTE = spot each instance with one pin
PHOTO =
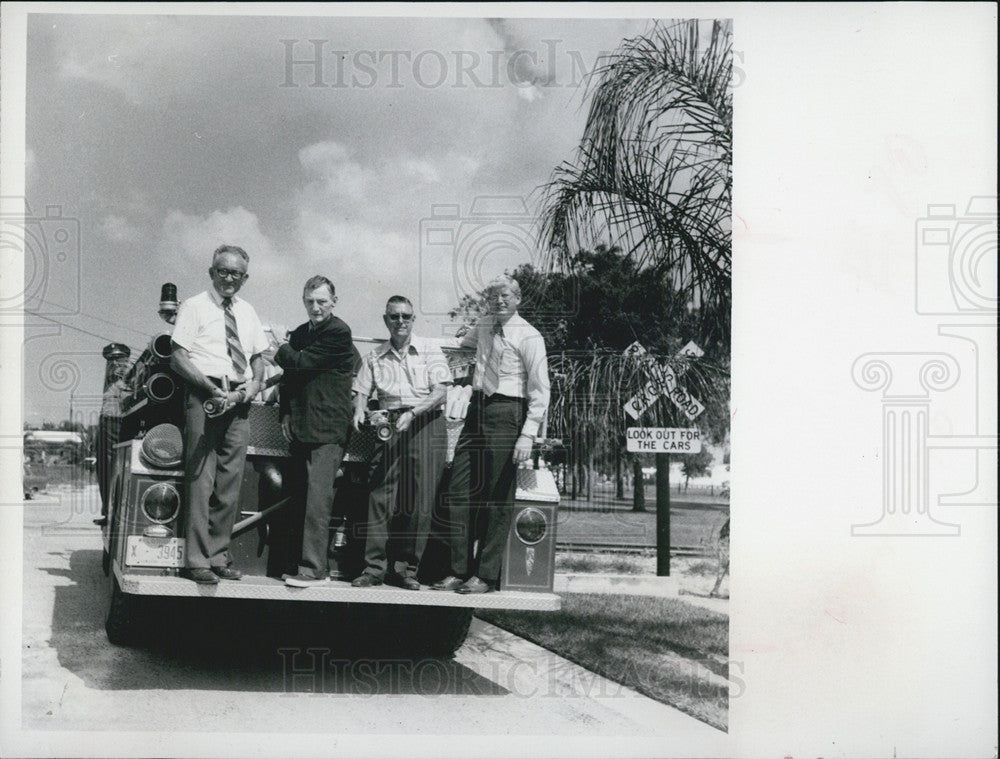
(217, 345)
(509, 400)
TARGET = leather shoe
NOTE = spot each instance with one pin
(366, 581)
(227, 573)
(399, 581)
(474, 585)
(200, 575)
(448, 583)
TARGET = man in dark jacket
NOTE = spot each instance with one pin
(318, 362)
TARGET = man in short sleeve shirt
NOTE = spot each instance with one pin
(217, 345)
(410, 376)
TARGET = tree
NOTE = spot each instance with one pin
(653, 171)
(695, 465)
(588, 315)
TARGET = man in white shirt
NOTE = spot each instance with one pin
(217, 345)
(411, 377)
(509, 400)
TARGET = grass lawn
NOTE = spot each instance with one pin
(665, 649)
(689, 527)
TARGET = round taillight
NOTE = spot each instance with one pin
(530, 525)
(162, 447)
(161, 503)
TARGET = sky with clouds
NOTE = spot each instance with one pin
(350, 147)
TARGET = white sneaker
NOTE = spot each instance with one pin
(305, 581)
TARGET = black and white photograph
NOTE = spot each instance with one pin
(387, 375)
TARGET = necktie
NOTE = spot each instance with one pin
(491, 373)
(233, 345)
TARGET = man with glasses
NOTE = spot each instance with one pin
(510, 395)
(217, 345)
(411, 377)
(315, 395)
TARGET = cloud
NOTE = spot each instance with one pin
(530, 94)
(119, 229)
(195, 237)
(199, 123)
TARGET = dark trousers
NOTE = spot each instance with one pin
(313, 472)
(108, 431)
(483, 482)
(408, 470)
(214, 454)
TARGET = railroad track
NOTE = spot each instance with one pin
(629, 548)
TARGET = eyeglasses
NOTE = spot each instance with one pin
(229, 274)
(399, 317)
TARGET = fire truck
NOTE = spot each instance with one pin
(144, 526)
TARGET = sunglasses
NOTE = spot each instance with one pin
(399, 317)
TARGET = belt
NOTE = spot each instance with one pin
(232, 385)
(484, 398)
(398, 412)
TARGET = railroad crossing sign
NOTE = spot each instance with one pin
(666, 383)
(663, 439)
(635, 349)
(691, 350)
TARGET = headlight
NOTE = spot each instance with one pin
(161, 502)
(530, 525)
(159, 388)
(162, 447)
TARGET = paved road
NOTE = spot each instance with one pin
(73, 679)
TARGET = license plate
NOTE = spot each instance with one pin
(141, 551)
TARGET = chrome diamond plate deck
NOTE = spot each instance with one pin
(334, 591)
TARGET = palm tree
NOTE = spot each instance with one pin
(653, 171)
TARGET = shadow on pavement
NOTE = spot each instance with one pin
(229, 644)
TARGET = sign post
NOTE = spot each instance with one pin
(663, 515)
(662, 441)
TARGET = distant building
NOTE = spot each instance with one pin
(55, 437)
(54, 446)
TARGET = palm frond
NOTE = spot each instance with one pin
(652, 173)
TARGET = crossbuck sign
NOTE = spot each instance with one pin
(666, 382)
